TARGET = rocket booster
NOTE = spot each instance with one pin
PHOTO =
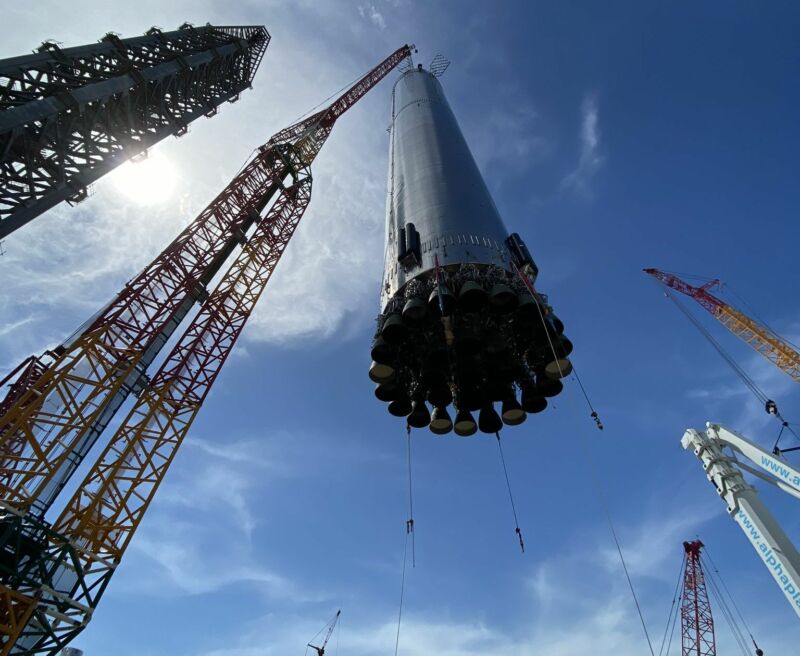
(461, 323)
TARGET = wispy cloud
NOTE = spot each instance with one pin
(11, 326)
(514, 122)
(590, 160)
(369, 12)
(181, 552)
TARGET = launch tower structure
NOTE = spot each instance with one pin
(460, 321)
(68, 116)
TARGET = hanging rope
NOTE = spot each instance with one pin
(604, 504)
(410, 520)
(402, 595)
(672, 609)
(601, 496)
(527, 282)
(594, 414)
(517, 529)
(409, 534)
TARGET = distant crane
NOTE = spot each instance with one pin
(699, 580)
(776, 349)
(331, 626)
(697, 623)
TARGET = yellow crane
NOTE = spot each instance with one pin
(773, 347)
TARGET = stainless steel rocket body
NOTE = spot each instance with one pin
(435, 185)
(460, 322)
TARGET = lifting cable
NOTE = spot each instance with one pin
(726, 611)
(527, 282)
(402, 595)
(604, 504)
(409, 534)
(672, 630)
(595, 478)
(410, 520)
(770, 406)
(673, 612)
(517, 529)
(591, 465)
(707, 556)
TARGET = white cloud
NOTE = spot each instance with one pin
(369, 11)
(327, 281)
(590, 160)
(180, 548)
(513, 122)
(11, 326)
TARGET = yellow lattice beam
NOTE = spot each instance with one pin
(769, 345)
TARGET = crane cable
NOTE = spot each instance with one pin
(673, 612)
(527, 282)
(741, 373)
(410, 520)
(730, 596)
(402, 595)
(591, 465)
(409, 534)
(517, 529)
(726, 611)
(334, 620)
(674, 624)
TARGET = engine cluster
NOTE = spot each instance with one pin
(470, 336)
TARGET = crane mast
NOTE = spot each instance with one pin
(777, 350)
(53, 576)
(697, 622)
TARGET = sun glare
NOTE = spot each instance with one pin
(148, 181)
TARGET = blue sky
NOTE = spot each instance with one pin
(613, 136)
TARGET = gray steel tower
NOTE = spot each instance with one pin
(461, 321)
(68, 116)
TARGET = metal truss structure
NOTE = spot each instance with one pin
(774, 348)
(71, 115)
(697, 624)
(51, 578)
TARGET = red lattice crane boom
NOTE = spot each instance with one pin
(697, 623)
(777, 350)
(53, 577)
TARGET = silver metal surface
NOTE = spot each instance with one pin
(435, 184)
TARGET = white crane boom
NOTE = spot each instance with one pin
(724, 469)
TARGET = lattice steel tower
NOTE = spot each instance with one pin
(697, 624)
(71, 115)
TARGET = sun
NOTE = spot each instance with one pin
(146, 182)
